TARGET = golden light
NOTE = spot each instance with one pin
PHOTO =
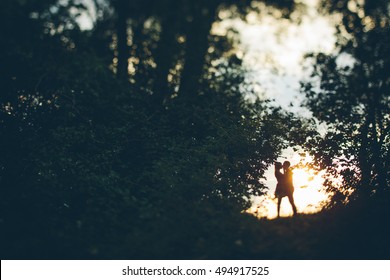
(308, 192)
(301, 177)
(308, 196)
(273, 49)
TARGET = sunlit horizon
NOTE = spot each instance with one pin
(273, 49)
(309, 196)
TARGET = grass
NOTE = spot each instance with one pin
(353, 232)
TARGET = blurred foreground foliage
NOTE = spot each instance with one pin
(134, 140)
(349, 91)
(95, 164)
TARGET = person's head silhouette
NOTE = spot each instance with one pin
(286, 164)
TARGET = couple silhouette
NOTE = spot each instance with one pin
(285, 185)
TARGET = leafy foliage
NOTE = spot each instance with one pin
(135, 140)
(93, 167)
(352, 97)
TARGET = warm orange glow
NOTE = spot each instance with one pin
(308, 196)
(301, 177)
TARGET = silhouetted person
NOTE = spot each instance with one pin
(285, 185)
(280, 190)
(279, 177)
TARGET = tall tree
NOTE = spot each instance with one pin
(197, 43)
(352, 97)
(191, 21)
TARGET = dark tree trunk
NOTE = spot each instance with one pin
(196, 48)
(378, 159)
(137, 50)
(364, 164)
(164, 59)
(123, 49)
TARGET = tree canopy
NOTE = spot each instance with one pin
(126, 128)
(349, 91)
(136, 138)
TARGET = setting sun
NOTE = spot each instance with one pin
(308, 195)
(301, 178)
